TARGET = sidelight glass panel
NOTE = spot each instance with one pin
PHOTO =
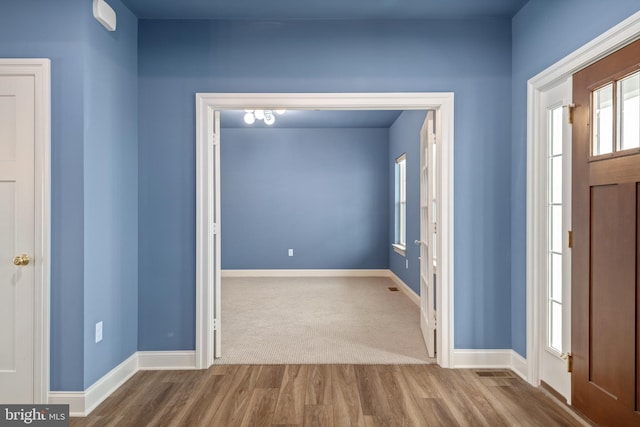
(556, 180)
(556, 229)
(555, 287)
(556, 131)
(629, 112)
(555, 332)
(603, 120)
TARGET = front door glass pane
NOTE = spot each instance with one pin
(603, 120)
(629, 112)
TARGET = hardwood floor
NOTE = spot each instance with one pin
(327, 395)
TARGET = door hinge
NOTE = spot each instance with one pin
(214, 228)
(570, 239)
(214, 325)
(570, 110)
(568, 357)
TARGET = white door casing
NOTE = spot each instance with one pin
(553, 369)
(617, 37)
(24, 228)
(208, 278)
(428, 226)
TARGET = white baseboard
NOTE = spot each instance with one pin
(470, 359)
(166, 360)
(81, 403)
(492, 359)
(519, 365)
(405, 288)
(305, 273)
(105, 386)
(75, 400)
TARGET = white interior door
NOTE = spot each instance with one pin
(17, 222)
(555, 289)
(428, 226)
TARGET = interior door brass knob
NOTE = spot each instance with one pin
(21, 260)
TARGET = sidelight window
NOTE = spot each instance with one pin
(555, 230)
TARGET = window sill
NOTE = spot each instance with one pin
(400, 249)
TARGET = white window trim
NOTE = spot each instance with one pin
(401, 225)
(400, 249)
(208, 103)
(612, 40)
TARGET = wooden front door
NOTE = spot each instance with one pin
(605, 257)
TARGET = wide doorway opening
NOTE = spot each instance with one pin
(209, 322)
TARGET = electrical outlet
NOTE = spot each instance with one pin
(99, 331)
(406, 264)
(290, 252)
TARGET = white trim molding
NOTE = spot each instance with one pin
(75, 400)
(490, 359)
(166, 360)
(207, 144)
(40, 70)
(305, 273)
(105, 386)
(410, 293)
(81, 403)
(612, 40)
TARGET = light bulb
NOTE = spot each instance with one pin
(259, 114)
(269, 118)
(248, 111)
(249, 118)
(280, 112)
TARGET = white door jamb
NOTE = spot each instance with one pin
(208, 103)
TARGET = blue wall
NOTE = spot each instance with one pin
(179, 58)
(404, 137)
(44, 29)
(316, 191)
(93, 179)
(110, 192)
(544, 32)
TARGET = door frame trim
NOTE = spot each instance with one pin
(617, 37)
(40, 70)
(208, 103)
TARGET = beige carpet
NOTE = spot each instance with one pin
(318, 321)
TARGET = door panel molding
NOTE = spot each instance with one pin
(40, 70)
(617, 37)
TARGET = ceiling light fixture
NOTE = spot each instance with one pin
(265, 115)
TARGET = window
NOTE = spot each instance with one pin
(615, 113)
(554, 231)
(400, 240)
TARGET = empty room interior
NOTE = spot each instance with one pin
(325, 213)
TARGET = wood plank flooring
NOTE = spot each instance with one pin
(327, 395)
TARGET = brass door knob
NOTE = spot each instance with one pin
(21, 260)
